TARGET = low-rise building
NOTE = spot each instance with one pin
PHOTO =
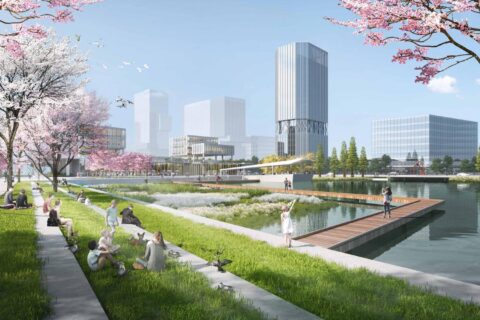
(195, 147)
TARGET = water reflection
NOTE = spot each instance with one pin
(443, 243)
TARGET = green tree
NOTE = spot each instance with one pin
(447, 164)
(254, 159)
(344, 158)
(465, 165)
(352, 159)
(436, 165)
(477, 163)
(386, 161)
(334, 162)
(319, 160)
(363, 161)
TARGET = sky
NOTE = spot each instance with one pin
(200, 49)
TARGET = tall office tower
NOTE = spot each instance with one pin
(425, 137)
(222, 117)
(152, 122)
(301, 99)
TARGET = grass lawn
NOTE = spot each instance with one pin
(325, 289)
(177, 293)
(169, 187)
(21, 292)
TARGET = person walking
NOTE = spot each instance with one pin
(387, 198)
(287, 224)
(111, 216)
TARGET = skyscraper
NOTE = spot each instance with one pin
(152, 122)
(301, 99)
(222, 117)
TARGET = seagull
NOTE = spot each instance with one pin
(104, 66)
(146, 66)
(123, 103)
(126, 63)
(139, 69)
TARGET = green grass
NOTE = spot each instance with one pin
(325, 289)
(21, 292)
(169, 187)
(177, 293)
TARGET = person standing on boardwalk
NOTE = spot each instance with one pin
(287, 224)
(111, 216)
(285, 182)
(387, 198)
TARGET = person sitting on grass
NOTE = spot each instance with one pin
(129, 218)
(22, 200)
(81, 196)
(66, 222)
(111, 216)
(8, 200)
(47, 203)
(154, 259)
(106, 242)
(97, 259)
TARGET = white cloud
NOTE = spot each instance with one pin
(445, 84)
(477, 81)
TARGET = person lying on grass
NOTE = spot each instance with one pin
(154, 259)
(22, 200)
(97, 259)
(129, 218)
(106, 242)
(67, 222)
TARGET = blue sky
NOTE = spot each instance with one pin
(198, 49)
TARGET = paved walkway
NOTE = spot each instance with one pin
(72, 296)
(271, 305)
(463, 291)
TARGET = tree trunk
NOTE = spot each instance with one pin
(9, 166)
(344, 173)
(55, 179)
(352, 174)
(18, 174)
(334, 173)
(363, 173)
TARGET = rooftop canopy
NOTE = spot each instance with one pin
(268, 165)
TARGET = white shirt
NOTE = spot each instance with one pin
(92, 259)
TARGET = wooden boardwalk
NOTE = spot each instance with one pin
(349, 235)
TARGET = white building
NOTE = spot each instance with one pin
(152, 122)
(259, 146)
(222, 117)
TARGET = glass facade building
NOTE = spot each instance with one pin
(301, 99)
(114, 138)
(425, 137)
(199, 147)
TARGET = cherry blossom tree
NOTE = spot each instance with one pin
(438, 33)
(18, 13)
(48, 72)
(110, 161)
(60, 131)
(101, 160)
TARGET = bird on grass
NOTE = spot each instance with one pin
(220, 263)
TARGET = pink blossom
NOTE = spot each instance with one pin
(422, 24)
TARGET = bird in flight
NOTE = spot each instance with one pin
(123, 103)
(77, 37)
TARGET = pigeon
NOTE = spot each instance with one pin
(220, 263)
(173, 254)
(225, 287)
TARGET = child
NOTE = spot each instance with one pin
(111, 216)
(97, 259)
(106, 242)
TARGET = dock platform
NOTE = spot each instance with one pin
(349, 235)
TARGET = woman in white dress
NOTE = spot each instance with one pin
(287, 225)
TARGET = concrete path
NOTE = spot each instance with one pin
(271, 305)
(459, 290)
(72, 296)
